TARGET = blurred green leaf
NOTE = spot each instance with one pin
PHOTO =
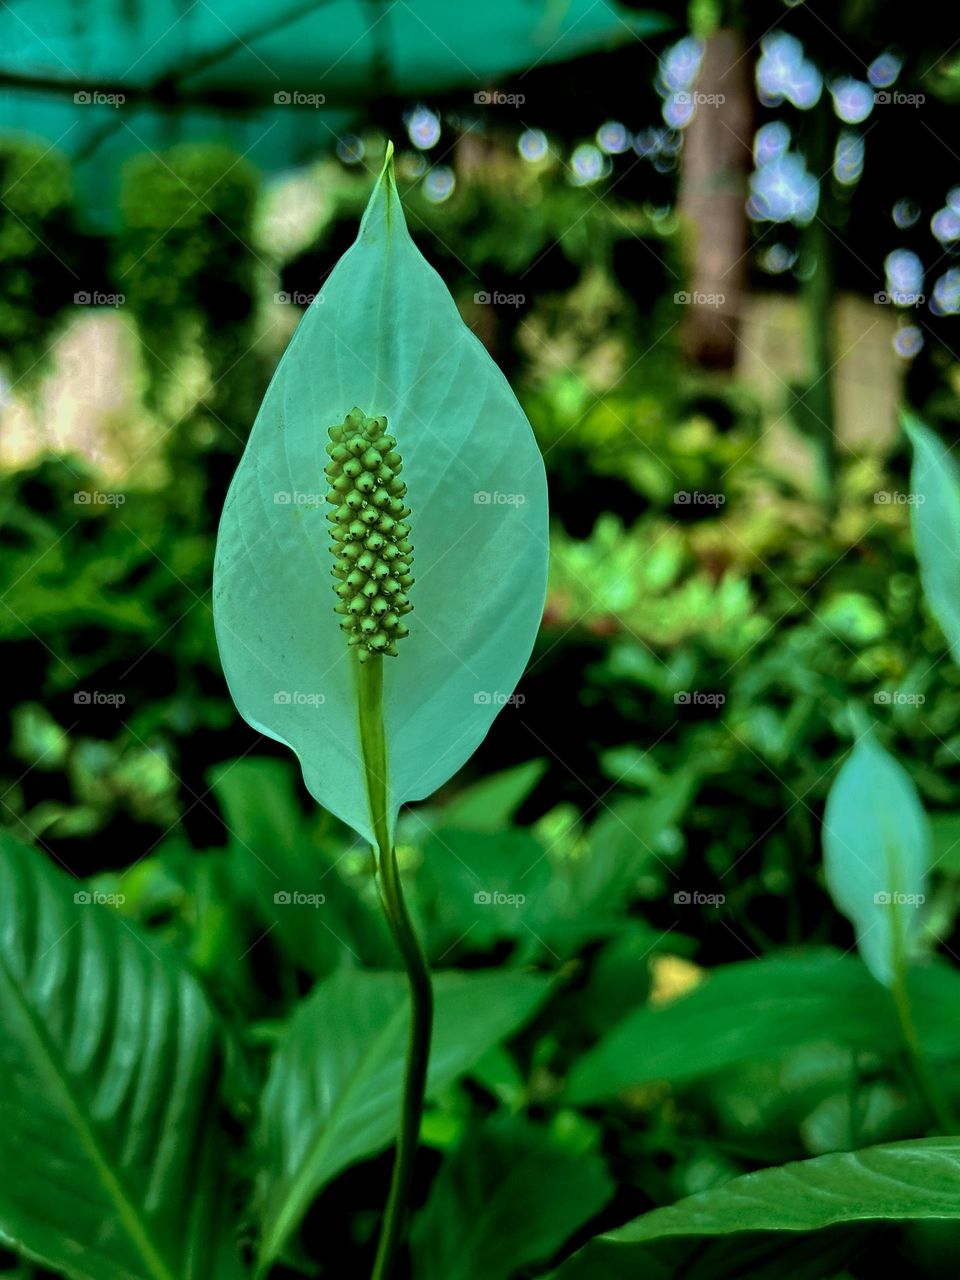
(507, 1197)
(292, 883)
(488, 805)
(37, 738)
(935, 517)
(760, 1009)
(876, 853)
(945, 837)
(476, 886)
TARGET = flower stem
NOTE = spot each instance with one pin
(373, 744)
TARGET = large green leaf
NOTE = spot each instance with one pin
(333, 1095)
(109, 1067)
(876, 853)
(476, 886)
(935, 516)
(763, 1009)
(489, 804)
(385, 336)
(292, 883)
(902, 1180)
(509, 1196)
(751, 1255)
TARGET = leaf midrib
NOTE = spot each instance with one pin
(486, 1215)
(126, 1208)
(274, 1240)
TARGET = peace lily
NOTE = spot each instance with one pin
(381, 565)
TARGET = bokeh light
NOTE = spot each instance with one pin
(423, 128)
(613, 138)
(852, 99)
(784, 191)
(770, 142)
(945, 225)
(439, 183)
(848, 157)
(532, 144)
(679, 66)
(905, 276)
(785, 75)
(946, 294)
(883, 70)
(908, 341)
(905, 213)
(777, 258)
(350, 149)
(588, 164)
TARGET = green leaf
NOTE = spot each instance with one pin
(945, 836)
(763, 1009)
(490, 804)
(876, 854)
(748, 1256)
(902, 1180)
(935, 517)
(333, 1094)
(386, 336)
(509, 1196)
(476, 886)
(110, 1060)
(292, 884)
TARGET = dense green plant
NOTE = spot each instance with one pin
(604, 1051)
(38, 250)
(184, 260)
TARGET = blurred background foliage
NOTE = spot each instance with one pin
(714, 621)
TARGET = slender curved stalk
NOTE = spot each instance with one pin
(373, 744)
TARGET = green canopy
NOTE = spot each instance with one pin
(104, 78)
